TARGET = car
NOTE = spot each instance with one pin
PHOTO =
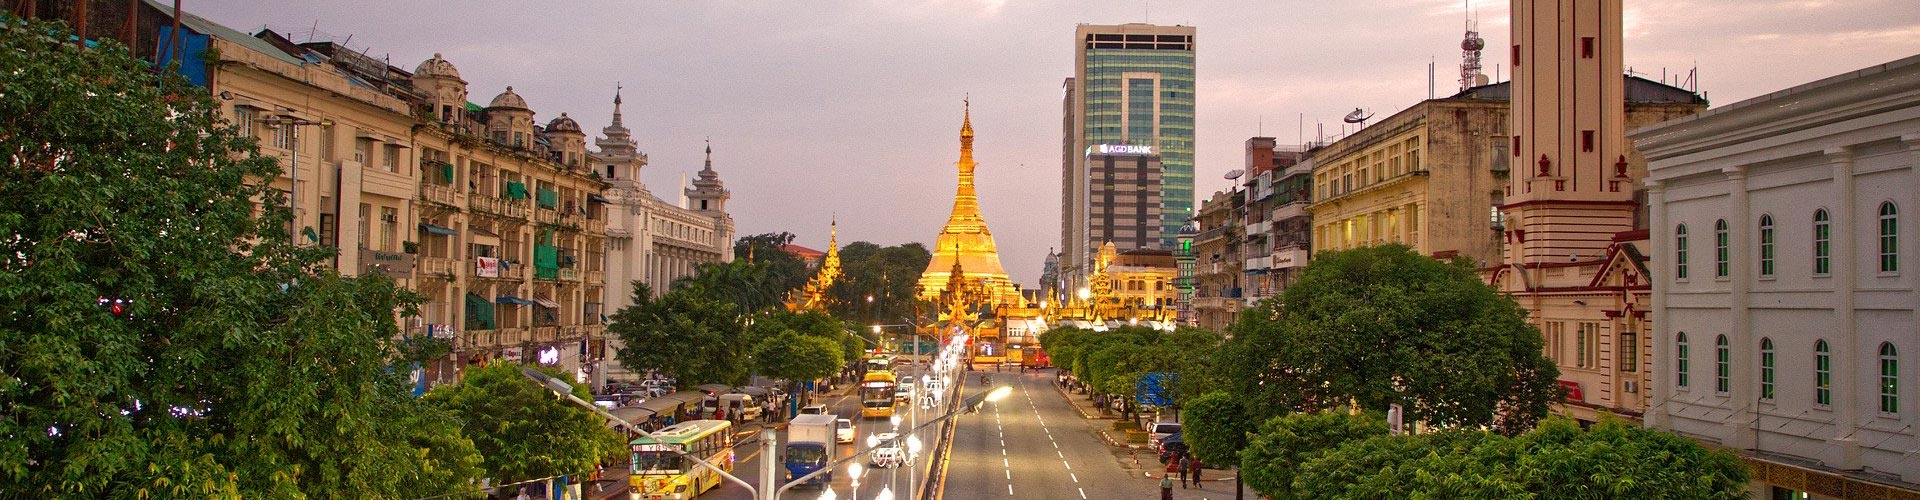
(814, 410)
(843, 430)
(1159, 432)
(906, 380)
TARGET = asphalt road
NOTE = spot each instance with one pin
(1031, 445)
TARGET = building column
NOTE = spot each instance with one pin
(1741, 351)
(1845, 344)
(1660, 237)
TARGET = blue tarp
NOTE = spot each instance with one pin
(440, 230)
(509, 299)
(193, 47)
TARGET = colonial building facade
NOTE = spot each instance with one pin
(1783, 300)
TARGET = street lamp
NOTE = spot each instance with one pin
(561, 389)
(966, 406)
(293, 184)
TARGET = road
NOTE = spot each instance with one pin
(871, 483)
(1032, 445)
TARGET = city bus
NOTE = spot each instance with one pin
(659, 471)
(880, 363)
(876, 394)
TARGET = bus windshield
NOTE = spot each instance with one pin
(657, 463)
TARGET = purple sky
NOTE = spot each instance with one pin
(853, 107)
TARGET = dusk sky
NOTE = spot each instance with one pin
(853, 107)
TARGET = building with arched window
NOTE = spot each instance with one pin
(1800, 314)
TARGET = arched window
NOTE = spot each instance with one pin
(1766, 246)
(1720, 251)
(1680, 252)
(1822, 374)
(1766, 369)
(1822, 243)
(1680, 360)
(1889, 378)
(1889, 238)
(1723, 366)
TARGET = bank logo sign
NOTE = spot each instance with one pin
(1120, 149)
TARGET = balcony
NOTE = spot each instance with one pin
(434, 267)
(596, 277)
(597, 226)
(488, 204)
(444, 195)
(594, 330)
(1261, 227)
(569, 274)
(546, 333)
(546, 216)
(515, 209)
(1258, 263)
(1290, 210)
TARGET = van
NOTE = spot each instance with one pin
(740, 406)
(814, 410)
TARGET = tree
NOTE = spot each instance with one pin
(807, 323)
(888, 274)
(785, 271)
(1383, 326)
(1613, 459)
(683, 334)
(1216, 427)
(794, 357)
(1274, 456)
(524, 432)
(163, 337)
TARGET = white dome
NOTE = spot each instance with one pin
(437, 67)
(508, 99)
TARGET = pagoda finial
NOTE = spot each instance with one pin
(616, 104)
(833, 232)
(966, 122)
(709, 153)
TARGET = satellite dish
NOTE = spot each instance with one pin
(1235, 174)
(1357, 116)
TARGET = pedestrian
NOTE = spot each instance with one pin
(1195, 466)
(1166, 487)
(1182, 465)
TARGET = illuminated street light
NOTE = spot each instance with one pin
(885, 494)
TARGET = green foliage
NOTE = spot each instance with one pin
(522, 430)
(784, 272)
(683, 334)
(749, 286)
(1217, 426)
(1273, 457)
(242, 368)
(888, 274)
(1557, 460)
(1383, 325)
(795, 357)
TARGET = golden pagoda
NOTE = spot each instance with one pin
(965, 246)
(813, 297)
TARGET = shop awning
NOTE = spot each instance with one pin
(509, 299)
(546, 303)
(440, 230)
(596, 198)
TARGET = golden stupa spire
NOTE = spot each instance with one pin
(965, 243)
(814, 295)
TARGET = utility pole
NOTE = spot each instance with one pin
(769, 451)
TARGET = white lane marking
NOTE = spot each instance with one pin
(1003, 452)
(1009, 489)
(1069, 466)
(1083, 493)
(1003, 442)
(1056, 452)
(1056, 445)
(1003, 463)
(1009, 473)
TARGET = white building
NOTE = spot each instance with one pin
(650, 240)
(1784, 282)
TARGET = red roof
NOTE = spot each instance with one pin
(802, 252)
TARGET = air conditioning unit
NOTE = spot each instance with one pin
(1631, 386)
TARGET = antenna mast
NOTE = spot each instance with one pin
(1470, 47)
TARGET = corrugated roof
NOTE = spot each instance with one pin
(216, 30)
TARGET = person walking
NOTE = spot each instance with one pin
(1194, 470)
(1182, 464)
(1166, 487)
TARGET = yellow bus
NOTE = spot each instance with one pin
(660, 473)
(876, 394)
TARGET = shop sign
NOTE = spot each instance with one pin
(394, 265)
(440, 331)
(1573, 390)
(486, 267)
(511, 354)
(1121, 149)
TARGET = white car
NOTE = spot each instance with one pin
(843, 430)
(890, 452)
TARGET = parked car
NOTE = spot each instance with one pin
(1172, 448)
(1160, 430)
(843, 430)
(814, 410)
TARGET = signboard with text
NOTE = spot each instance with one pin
(486, 267)
(393, 264)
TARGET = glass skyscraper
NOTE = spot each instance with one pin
(1133, 84)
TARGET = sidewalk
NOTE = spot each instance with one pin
(1218, 483)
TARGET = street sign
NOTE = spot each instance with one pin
(1152, 389)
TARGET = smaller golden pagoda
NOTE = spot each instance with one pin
(813, 297)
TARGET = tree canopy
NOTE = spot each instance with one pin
(1217, 427)
(1383, 326)
(522, 430)
(888, 274)
(691, 337)
(784, 271)
(164, 338)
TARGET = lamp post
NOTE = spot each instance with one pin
(966, 406)
(293, 145)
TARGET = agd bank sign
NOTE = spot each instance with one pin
(1120, 149)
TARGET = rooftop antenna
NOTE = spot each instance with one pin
(1470, 47)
